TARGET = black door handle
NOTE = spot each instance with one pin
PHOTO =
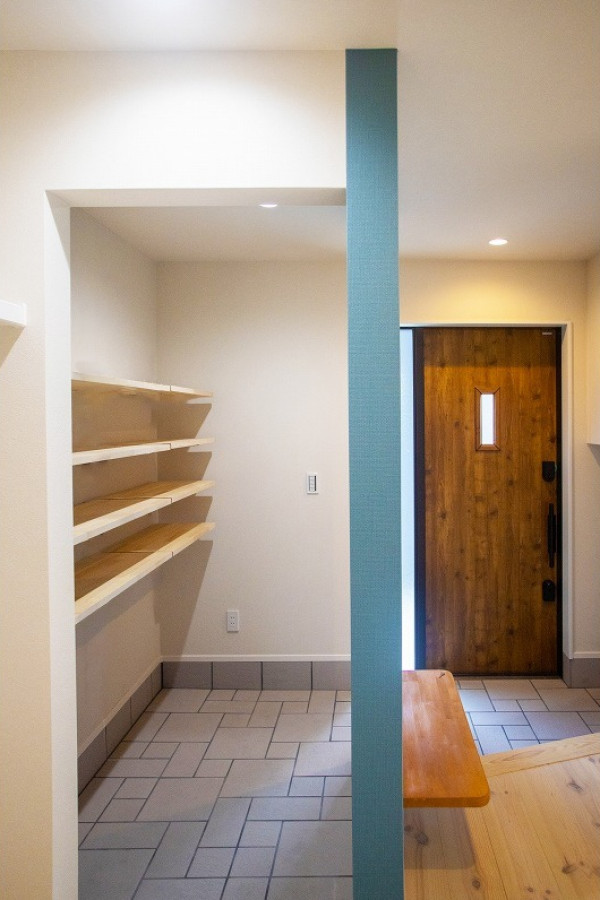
(551, 534)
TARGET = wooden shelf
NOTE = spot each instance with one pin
(84, 382)
(120, 451)
(99, 578)
(105, 513)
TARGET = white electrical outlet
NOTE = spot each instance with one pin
(233, 620)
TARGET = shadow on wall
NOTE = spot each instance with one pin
(181, 592)
(177, 420)
(8, 338)
(595, 450)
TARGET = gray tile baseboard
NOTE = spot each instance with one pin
(581, 672)
(96, 753)
(317, 675)
(185, 674)
(287, 676)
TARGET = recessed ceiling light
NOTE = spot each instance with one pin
(269, 205)
(498, 242)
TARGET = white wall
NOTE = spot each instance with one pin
(593, 350)
(113, 304)
(587, 620)
(462, 292)
(251, 332)
(92, 122)
(471, 292)
(113, 332)
(175, 120)
(270, 340)
(146, 121)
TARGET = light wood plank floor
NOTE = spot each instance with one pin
(539, 836)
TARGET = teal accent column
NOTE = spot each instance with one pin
(374, 387)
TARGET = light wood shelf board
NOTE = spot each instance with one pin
(81, 381)
(100, 569)
(98, 516)
(102, 514)
(113, 574)
(190, 442)
(175, 389)
(171, 536)
(172, 490)
(100, 578)
(84, 382)
(119, 451)
(86, 512)
(122, 451)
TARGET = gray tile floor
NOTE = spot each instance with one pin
(245, 795)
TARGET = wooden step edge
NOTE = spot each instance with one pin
(541, 755)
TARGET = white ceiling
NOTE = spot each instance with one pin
(499, 117)
(196, 24)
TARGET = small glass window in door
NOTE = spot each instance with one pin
(486, 419)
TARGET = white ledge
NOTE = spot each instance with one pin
(13, 314)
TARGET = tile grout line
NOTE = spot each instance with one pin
(294, 761)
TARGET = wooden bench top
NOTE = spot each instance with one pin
(441, 765)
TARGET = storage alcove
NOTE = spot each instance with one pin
(117, 434)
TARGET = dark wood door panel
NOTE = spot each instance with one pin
(485, 509)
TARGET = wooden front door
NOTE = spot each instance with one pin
(488, 582)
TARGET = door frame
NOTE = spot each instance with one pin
(565, 414)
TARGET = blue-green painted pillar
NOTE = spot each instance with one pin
(374, 387)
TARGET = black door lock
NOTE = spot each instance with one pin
(548, 590)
